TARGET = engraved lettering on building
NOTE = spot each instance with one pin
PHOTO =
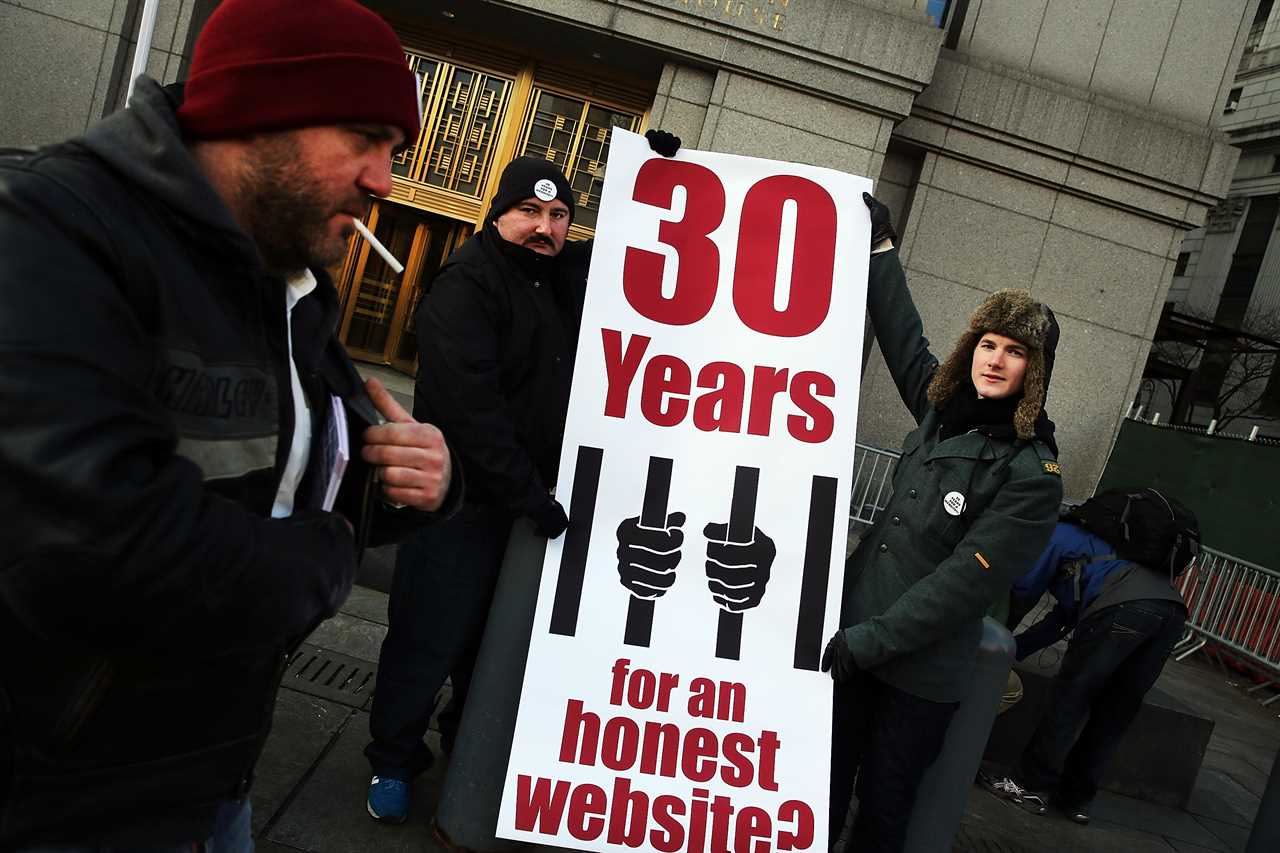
(763, 13)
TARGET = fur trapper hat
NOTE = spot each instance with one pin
(1014, 314)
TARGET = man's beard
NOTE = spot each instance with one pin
(286, 210)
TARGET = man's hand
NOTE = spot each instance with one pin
(881, 221)
(838, 659)
(549, 520)
(661, 142)
(647, 557)
(412, 459)
(737, 572)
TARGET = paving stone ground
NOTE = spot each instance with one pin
(311, 783)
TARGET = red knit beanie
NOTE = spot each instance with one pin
(264, 65)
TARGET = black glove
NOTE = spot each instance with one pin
(737, 572)
(881, 221)
(647, 557)
(549, 519)
(838, 659)
(663, 143)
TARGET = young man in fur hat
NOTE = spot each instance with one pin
(498, 330)
(169, 393)
(975, 499)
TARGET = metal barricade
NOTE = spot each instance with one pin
(1233, 604)
(872, 484)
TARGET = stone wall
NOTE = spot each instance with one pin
(735, 114)
(1062, 147)
(1170, 56)
(1083, 200)
(66, 62)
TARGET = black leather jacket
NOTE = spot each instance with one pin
(147, 599)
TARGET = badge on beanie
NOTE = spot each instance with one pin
(953, 503)
(545, 189)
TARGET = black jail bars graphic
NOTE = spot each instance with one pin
(653, 538)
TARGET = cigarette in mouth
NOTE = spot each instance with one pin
(378, 247)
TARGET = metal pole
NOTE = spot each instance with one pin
(146, 29)
(944, 791)
(472, 794)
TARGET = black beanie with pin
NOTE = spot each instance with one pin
(530, 177)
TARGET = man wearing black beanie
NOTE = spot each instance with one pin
(497, 332)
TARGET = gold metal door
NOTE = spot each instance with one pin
(378, 320)
(444, 236)
(482, 105)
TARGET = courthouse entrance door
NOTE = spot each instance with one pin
(481, 106)
(378, 320)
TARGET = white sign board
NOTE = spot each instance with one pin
(672, 699)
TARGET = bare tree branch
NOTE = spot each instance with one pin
(1248, 362)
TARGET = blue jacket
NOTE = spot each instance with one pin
(1068, 544)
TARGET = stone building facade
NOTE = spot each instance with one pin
(1227, 272)
(1060, 146)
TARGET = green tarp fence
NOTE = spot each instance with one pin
(1232, 485)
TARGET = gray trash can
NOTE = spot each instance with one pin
(944, 791)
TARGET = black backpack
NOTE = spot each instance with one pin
(1143, 525)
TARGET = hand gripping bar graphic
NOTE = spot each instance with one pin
(742, 525)
(653, 514)
(814, 578)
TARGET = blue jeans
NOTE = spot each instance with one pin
(1113, 659)
(232, 833)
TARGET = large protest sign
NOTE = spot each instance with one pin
(672, 699)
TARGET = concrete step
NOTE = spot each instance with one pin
(1158, 760)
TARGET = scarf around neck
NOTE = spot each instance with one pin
(967, 412)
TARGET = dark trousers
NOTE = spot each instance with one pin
(440, 595)
(887, 738)
(1114, 657)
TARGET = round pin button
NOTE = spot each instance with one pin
(953, 503)
(545, 189)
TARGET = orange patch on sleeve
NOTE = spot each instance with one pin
(982, 561)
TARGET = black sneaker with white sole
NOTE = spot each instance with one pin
(1006, 788)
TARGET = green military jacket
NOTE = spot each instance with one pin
(968, 516)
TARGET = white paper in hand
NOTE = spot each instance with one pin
(336, 450)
